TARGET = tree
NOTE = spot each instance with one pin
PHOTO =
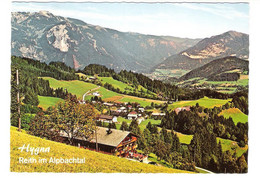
(41, 126)
(161, 149)
(134, 128)
(73, 118)
(124, 126)
(242, 164)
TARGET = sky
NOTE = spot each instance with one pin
(191, 20)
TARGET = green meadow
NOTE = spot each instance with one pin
(142, 101)
(232, 146)
(204, 102)
(75, 87)
(115, 83)
(95, 162)
(235, 114)
(46, 102)
(123, 86)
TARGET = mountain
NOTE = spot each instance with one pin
(227, 44)
(46, 37)
(219, 70)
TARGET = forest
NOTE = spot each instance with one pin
(205, 124)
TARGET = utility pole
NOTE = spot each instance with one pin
(96, 139)
(18, 101)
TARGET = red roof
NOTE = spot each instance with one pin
(133, 112)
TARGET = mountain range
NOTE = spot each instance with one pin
(230, 43)
(46, 37)
(223, 68)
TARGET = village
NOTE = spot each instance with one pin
(117, 142)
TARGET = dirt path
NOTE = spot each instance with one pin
(83, 97)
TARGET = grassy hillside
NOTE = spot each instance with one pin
(204, 102)
(235, 114)
(94, 162)
(104, 93)
(75, 86)
(142, 101)
(216, 67)
(46, 102)
(232, 146)
(79, 88)
(225, 143)
(115, 83)
(220, 86)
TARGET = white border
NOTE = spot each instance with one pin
(253, 112)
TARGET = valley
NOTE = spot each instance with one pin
(170, 104)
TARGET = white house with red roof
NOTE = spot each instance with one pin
(132, 115)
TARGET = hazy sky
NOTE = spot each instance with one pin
(192, 20)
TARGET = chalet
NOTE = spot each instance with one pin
(122, 108)
(140, 119)
(93, 78)
(96, 94)
(107, 119)
(112, 141)
(179, 109)
(132, 115)
(129, 107)
(141, 109)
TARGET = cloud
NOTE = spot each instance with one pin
(218, 9)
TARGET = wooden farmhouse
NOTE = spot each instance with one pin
(112, 141)
(107, 118)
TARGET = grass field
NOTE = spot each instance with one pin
(145, 122)
(235, 114)
(225, 143)
(104, 93)
(46, 102)
(123, 86)
(204, 102)
(115, 83)
(220, 86)
(142, 101)
(75, 87)
(94, 162)
(232, 146)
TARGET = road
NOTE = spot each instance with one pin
(83, 97)
(210, 172)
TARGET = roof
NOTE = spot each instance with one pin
(112, 139)
(105, 117)
(133, 112)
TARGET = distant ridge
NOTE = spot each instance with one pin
(218, 67)
(230, 43)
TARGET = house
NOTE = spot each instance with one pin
(107, 118)
(158, 114)
(129, 107)
(108, 104)
(96, 94)
(179, 109)
(141, 109)
(122, 108)
(140, 119)
(111, 141)
(132, 115)
(93, 78)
